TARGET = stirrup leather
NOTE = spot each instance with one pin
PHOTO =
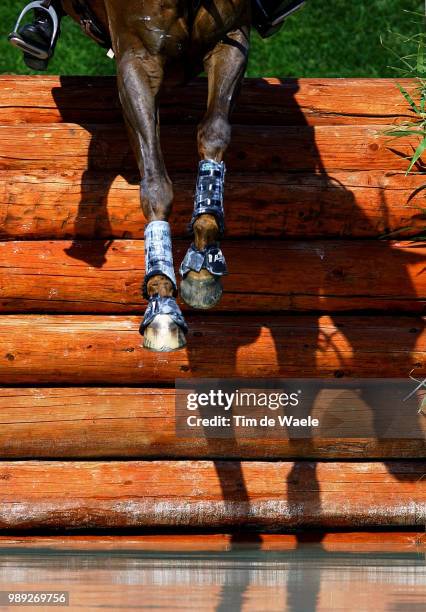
(16, 39)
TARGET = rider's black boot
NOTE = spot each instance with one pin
(35, 39)
(39, 34)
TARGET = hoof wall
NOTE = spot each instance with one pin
(201, 293)
(163, 335)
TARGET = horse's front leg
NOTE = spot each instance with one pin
(204, 263)
(139, 79)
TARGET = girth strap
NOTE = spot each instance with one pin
(90, 24)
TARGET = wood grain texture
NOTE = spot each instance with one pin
(76, 422)
(211, 495)
(325, 170)
(326, 276)
(43, 204)
(84, 349)
(334, 542)
(318, 149)
(270, 101)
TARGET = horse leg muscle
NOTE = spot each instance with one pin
(139, 79)
(225, 66)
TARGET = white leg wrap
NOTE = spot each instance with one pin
(158, 252)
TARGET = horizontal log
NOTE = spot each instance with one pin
(271, 101)
(253, 148)
(83, 349)
(357, 542)
(75, 422)
(321, 275)
(275, 496)
(44, 204)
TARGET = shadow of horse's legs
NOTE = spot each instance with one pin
(92, 220)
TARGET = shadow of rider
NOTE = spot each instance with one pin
(352, 215)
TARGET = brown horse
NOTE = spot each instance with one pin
(158, 43)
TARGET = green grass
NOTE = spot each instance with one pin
(326, 38)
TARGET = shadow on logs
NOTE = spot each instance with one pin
(92, 221)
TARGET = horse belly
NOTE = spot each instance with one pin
(210, 26)
(159, 24)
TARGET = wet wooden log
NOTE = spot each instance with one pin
(216, 495)
(89, 349)
(317, 149)
(269, 101)
(321, 275)
(357, 542)
(43, 204)
(76, 423)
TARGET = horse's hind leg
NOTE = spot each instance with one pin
(139, 80)
(204, 263)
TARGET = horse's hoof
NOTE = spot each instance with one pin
(201, 291)
(163, 335)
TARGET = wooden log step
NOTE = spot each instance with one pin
(321, 275)
(47, 423)
(267, 101)
(357, 542)
(83, 349)
(318, 149)
(43, 204)
(220, 495)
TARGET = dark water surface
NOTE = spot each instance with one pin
(305, 579)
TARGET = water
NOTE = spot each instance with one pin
(306, 579)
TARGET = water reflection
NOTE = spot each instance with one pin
(248, 579)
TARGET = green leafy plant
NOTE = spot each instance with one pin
(413, 65)
(417, 125)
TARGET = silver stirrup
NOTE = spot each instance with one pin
(16, 39)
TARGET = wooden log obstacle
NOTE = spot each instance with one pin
(87, 416)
